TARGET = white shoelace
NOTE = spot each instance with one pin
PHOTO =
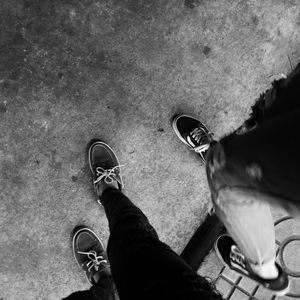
(199, 134)
(237, 257)
(108, 176)
(95, 260)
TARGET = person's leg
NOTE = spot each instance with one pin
(104, 289)
(257, 166)
(235, 212)
(142, 266)
(82, 295)
(281, 98)
(236, 198)
(242, 209)
(247, 173)
(250, 224)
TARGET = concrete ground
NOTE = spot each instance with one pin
(116, 69)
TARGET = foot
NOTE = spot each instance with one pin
(193, 133)
(230, 255)
(105, 167)
(89, 253)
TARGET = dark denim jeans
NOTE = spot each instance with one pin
(257, 166)
(142, 266)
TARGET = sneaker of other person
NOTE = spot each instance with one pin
(231, 256)
(105, 167)
(193, 133)
(89, 253)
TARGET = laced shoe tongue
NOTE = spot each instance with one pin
(197, 137)
(94, 262)
(191, 141)
(238, 259)
(106, 175)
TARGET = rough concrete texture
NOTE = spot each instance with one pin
(75, 70)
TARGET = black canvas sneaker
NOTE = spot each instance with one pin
(230, 255)
(89, 253)
(105, 166)
(193, 133)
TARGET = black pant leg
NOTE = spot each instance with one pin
(265, 159)
(103, 290)
(81, 295)
(142, 266)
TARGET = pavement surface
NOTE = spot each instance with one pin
(119, 70)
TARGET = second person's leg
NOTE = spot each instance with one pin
(238, 204)
(244, 211)
(142, 266)
(241, 199)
